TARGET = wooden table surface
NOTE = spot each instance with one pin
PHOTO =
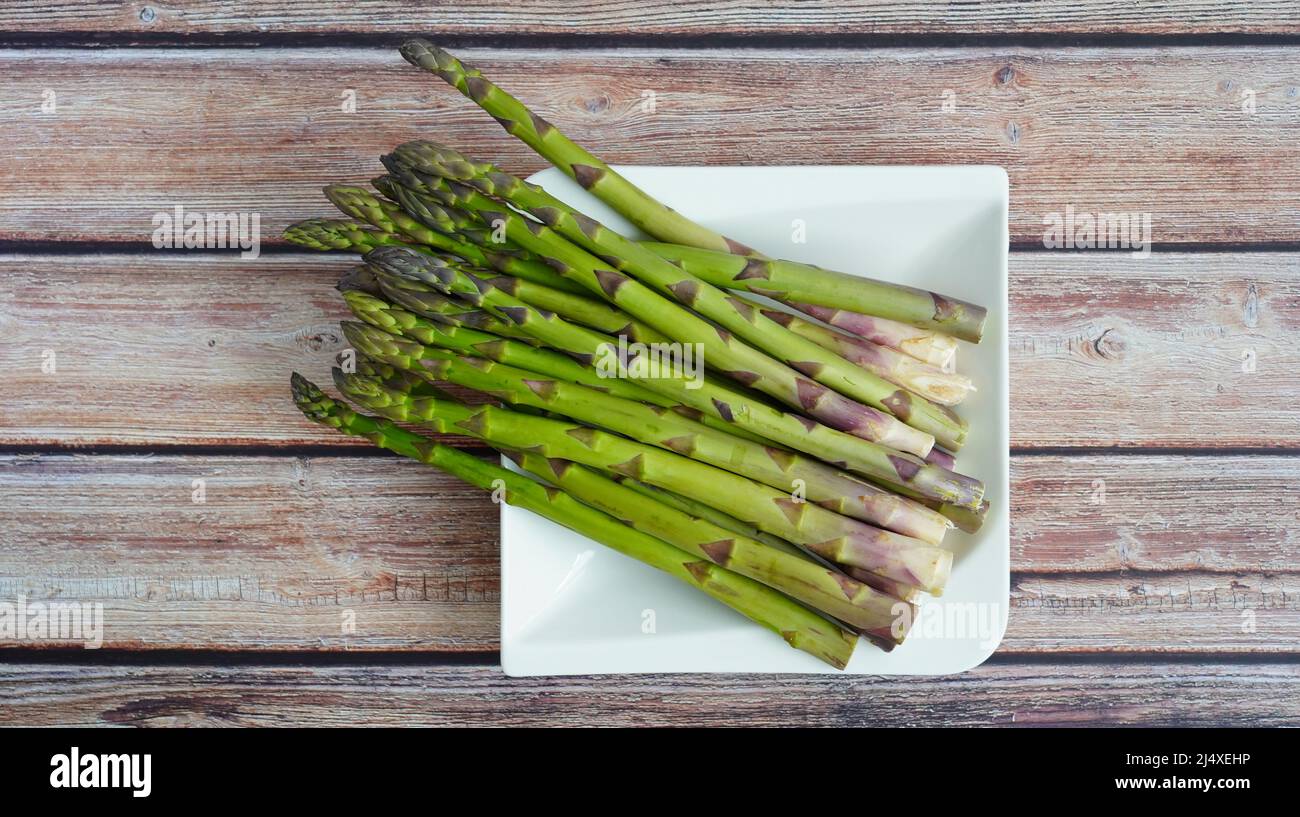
(1155, 401)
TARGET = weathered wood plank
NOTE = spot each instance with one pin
(1002, 693)
(1112, 513)
(167, 348)
(691, 17)
(330, 553)
(1106, 349)
(285, 551)
(1167, 131)
(1194, 351)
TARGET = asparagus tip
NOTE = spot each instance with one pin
(310, 400)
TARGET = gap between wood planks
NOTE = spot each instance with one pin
(371, 452)
(64, 248)
(491, 658)
(665, 42)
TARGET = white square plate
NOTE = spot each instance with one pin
(569, 606)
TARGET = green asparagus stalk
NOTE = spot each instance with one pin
(563, 301)
(788, 280)
(702, 510)
(395, 378)
(409, 383)
(800, 627)
(725, 352)
(834, 537)
(775, 467)
(877, 506)
(828, 591)
(731, 523)
(343, 234)
(449, 221)
(966, 518)
(576, 308)
(446, 312)
(455, 223)
(362, 279)
(468, 341)
(706, 396)
(935, 348)
(944, 388)
(586, 169)
(392, 219)
(672, 281)
(441, 308)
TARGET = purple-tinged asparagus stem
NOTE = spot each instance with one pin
(941, 458)
(694, 507)
(712, 443)
(930, 382)
(823, 589)
(935, 348)
(811, 284)
(837, 538)
(898, 590)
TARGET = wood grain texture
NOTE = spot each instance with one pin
(196, 349)
(284, 550)
(1005, 694)
(1161, 131)
(1098, 513)
(168, 349)
(1193, 351)
(690, 17)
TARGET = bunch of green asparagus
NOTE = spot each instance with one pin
(806, 478)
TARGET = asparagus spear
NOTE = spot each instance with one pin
(731, 523)
(561, 300)
(703, 510)
(966, 518)
(576, 308)
(788, 280)
(778, 468)
(903, 592)
(588, 170)
(935, 348)
(944, 388)
(706, 396)
(455, 223)
(407, 382)
(672, 281)
(469, 341)
(390, 218)
(395, 378)
(865, 501)
(446, 312)
(837, 538)
(725, 352)
(800, 627)
(343, 234)
(828, 591)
